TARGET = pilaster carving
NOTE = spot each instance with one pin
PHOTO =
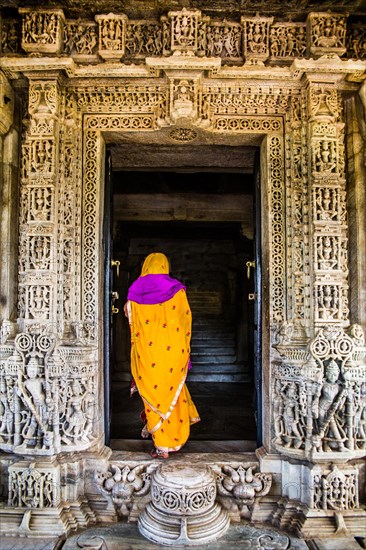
(328, 197)
(38, 195)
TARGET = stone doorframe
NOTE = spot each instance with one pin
(51, 358)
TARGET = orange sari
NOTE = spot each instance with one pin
(160, 351)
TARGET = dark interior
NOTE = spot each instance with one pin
(209, 257)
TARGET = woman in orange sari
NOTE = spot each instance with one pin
(160, 322)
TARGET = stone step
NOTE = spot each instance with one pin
(219, 368)
(217, 359)
(214, 377)
(209, 350)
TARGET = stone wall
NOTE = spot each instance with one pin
(184, 79)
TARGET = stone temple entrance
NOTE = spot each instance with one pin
(161, 88)
(210, 257)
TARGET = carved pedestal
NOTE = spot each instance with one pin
(183, 509)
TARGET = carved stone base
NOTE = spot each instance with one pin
(41, 522)
(183, 508)
(309, 523)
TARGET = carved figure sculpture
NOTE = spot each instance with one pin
(332, 398)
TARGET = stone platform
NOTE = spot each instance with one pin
(123, 536)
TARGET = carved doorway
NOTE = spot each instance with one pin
(203, 221)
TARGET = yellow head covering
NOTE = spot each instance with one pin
(155, 264)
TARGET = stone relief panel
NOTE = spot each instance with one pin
(112, 31)
(335, 489)
(80, 39)
(33, 487)
(254, 39)
(42, 30)
(49, 395)
(327, 33)
(320, 396)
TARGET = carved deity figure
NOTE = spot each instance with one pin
(32, 393)
(291, 416)
(6, 412)
(330, 434)
(75, 418)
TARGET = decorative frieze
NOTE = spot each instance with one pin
(115, 37)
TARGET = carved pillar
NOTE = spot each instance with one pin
(9, 173)
(38, 220)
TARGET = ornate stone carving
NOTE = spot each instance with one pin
(10, 36)
(80, 39)
(48, 396)
(183, 498)
(256, 38)
(320, 395)
(221, 39)
(32, 486)
(184, 30)
(238, 487)
(112, 30)
(335, 490)
(356, 41)
(42, 30)
(125, 484)
(287, 40)
(146, 38)
(6, 104)
(327, 33)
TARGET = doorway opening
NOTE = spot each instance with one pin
(204, 223)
